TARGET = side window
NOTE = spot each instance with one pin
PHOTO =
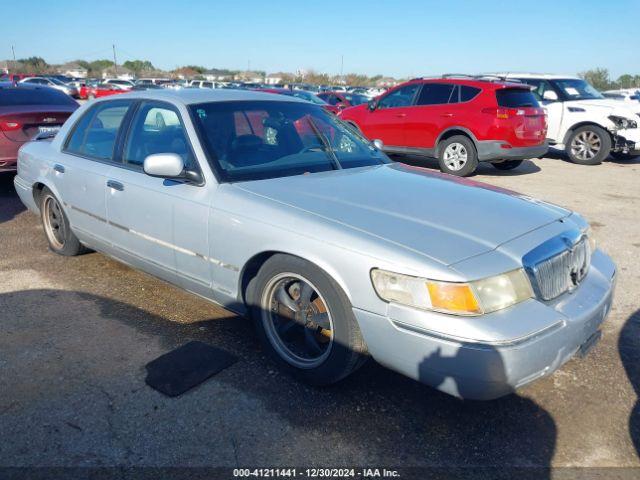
(401, 97)
(156, 128)
(539, 87)
(95, 133)
(468, 93)
(436, 93)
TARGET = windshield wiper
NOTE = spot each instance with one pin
(328, 149)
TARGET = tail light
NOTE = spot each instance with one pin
(505, 113)
(8, 126)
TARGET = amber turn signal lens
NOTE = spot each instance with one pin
(453, 297)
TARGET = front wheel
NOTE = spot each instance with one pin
(588, 145)
(508, 165)
(305, 321)
(56, 226)
(457, 156)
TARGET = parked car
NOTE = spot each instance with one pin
(13, 77)
(334, 251)
(304, 95)
(106, 89)
(53, 83)
(202, 84)
(460, 121)
(343, 100)
(153, 81)
(582, 122)
(125, 84)
(624, 94)
(26, 111)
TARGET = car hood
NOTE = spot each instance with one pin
(445, 218)
(618, 107)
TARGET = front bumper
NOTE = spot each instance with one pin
(484, 370)
(491, 150)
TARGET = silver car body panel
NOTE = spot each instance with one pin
(393, 217)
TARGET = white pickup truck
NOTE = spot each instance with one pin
(581, 121)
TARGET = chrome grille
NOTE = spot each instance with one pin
(563, 272)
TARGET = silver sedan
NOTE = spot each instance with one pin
(273, 208)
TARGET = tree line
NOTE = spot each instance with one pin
(601, 80)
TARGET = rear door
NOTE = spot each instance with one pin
(82, 170)
(387, 121)
(432, 114)
(157, 224)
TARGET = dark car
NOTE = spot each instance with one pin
(304, 95)
(343, 99)
(25, 111)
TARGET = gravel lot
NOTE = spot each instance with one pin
(75, 334)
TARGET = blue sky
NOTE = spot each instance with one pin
(398, 38)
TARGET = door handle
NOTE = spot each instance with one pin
(401, 115)
(115, 185)
(58, 168)
(448, 115)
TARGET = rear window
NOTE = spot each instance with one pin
(516, 98)
(33, 96)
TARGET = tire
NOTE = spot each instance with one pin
(56, 226)
(457, 155)
(588, 145)
(305, 349)
(508, 165)
(624, 156)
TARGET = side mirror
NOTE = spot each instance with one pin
(378, 144)
(373, 104)
(550, 96)
(164, 165)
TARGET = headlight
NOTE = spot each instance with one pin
(622, 122)
(471, 298)
(591, 239)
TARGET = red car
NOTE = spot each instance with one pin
(304, 95)
(342, 100)
(106, 89)
(459, 120)
(25, 111)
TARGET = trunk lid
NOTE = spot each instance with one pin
(22, 123)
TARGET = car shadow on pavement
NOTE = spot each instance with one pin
(629, 349)
(560, 155)
(375, 417)
(10, 204)
(527, 167)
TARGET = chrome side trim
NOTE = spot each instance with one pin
(157, 241)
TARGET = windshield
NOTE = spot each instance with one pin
(577, 89)
(268, 139)
(356, 99)
(308, 96)
(57, 82)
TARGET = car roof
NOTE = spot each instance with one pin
(189, 96)
(24, 86)
(546, 76)
(485, 82)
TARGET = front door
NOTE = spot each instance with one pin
(386, 122)
(160, 224)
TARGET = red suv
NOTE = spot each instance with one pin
(459, 120)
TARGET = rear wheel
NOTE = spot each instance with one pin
(508, 165)
(56, 226)
(457, 156)
(588, 145)
(305, 321)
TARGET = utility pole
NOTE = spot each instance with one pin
(248, 65)
(341, 66)
(13, 52)
(115, 61)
